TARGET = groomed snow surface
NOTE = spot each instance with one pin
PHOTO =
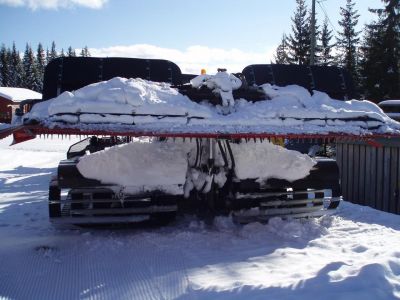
(352, 255)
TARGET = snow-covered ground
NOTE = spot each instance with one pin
(352, 255)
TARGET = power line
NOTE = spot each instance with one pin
(321, 5)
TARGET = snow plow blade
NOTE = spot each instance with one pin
(20, 134)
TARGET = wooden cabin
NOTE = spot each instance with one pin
(10, 99)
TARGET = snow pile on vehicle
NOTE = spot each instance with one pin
(265, 160)
(120, 100)
(319, 105)
(221, 83)
(150, 106)
(147, 165)
(142, 165)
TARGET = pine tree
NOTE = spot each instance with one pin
(53, 53)
(40, 66)
(318, 42)
(282, 52)
(30, 72)
(326, 58)
(300, 40)
(85, 52)
(348, 40)
(5, 58)
(62, 54)
(386, 44)
(16, 68)
(370, 63)
(71, 52)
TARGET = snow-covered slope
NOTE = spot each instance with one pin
(352, 255)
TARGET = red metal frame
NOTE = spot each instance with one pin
(23, 133)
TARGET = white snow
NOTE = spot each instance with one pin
(351, 255)
(389, 103)
(4, 126)
(221, 83)
(265, 160)
(148, 165)
(142, 165)
(126, 96)
(18, 94)
(158, 107)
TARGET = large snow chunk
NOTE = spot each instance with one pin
(126, 96)
(143, 164)
(256, 160)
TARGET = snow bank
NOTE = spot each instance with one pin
(150, 106)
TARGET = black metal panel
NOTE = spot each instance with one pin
(291, 74)
(70, 177)
(187, 77)
(126, 67)
(336, 82)
(258, 74)
(71, 73)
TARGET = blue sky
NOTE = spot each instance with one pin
(207, 30)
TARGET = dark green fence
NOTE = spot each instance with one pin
(370, 174)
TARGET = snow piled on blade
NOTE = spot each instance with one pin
(144, 165)
(136, 104)
(266, 160)
(148, 165)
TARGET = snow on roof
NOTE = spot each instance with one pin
(390, 102)
(18, 94)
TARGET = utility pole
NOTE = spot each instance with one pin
(313, 42)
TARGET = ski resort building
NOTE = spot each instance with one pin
(10, 98)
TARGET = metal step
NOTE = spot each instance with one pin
(276, 203)
(244, 219)
(276, 194)
(100, 219)
(122, 211)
